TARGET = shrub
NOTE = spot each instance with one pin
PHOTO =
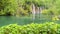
(8, 7)
(45, 28)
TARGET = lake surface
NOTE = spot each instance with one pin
(6, 20)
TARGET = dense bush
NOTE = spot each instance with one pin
(24, 7)
(8, 7)
(45, 28)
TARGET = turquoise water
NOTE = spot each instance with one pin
(6, 20)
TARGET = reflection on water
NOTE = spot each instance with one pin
(5, 20)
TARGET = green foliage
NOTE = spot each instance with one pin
(45, 28)
(53, 7)
(8, 7)
(23, 7)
